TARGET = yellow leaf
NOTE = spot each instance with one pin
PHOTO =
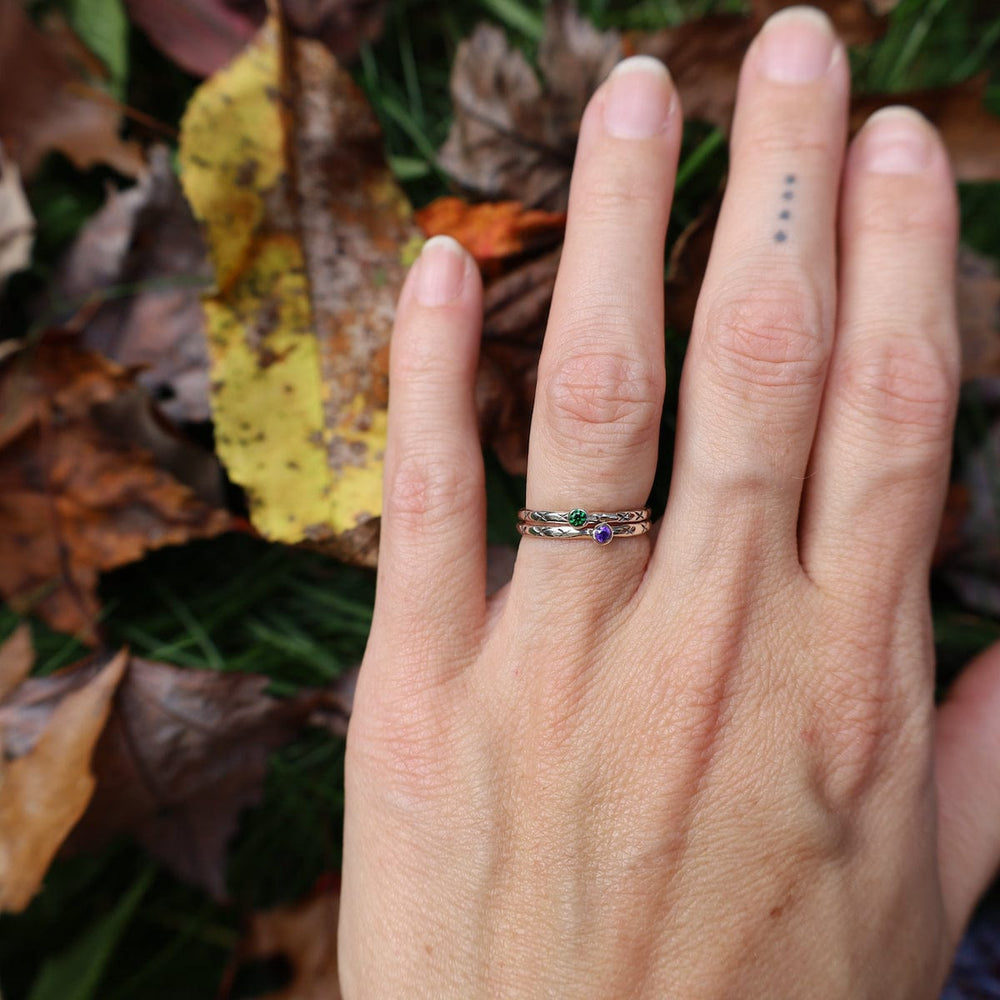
(309, 235)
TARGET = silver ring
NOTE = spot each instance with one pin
(603, 532)
(580, 518)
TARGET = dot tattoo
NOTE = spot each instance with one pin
(788, 194)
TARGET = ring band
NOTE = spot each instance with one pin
(580, 518)
(602, 533)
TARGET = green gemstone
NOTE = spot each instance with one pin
(577, 517)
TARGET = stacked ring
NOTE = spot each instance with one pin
(601, 527)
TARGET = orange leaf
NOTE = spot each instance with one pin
(492, 230)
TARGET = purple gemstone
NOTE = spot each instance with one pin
(603, 533)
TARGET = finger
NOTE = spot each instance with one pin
(432, 554)
(967, 765)
(601, 373)
(880, 465)
(754, 373)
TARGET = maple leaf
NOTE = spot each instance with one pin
(308, 233)
(145, 238)
(491, 231)
(46, 777)
(46, 104)
(80, 490)
(513, 135)
(172, 760)
(304, 935)
(17, 224)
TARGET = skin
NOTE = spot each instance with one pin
(704, 763)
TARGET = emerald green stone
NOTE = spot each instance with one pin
(577, 517)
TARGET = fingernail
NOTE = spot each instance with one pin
(442, 271)
(797, 45)
(896, 140)
(639, 98)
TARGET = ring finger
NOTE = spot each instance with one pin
(601, 373)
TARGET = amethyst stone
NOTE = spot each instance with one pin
(603, 533)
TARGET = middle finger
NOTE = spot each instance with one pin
(763, 330)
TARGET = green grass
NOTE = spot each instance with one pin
(239, 604)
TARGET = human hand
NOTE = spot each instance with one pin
(705, 765)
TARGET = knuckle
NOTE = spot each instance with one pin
(422, 488)
(905, 386)
(601, 390)
(622, 192)
(768, 342)
(890, 215)
(776, 136)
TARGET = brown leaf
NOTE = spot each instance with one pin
(855, 22)
(978, 314)
(343, 26)
(77, 494)
(513, 136)
(687, 265)
(17, 654)
(704, 57)
(199, 35)
(491, 231)
(145, 239)
(184, 752)
(516, 311)
(969, 130)
(305, 935)
(17, 224)
(45, 787)
(45, 104)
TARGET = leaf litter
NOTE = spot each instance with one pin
(308, 238)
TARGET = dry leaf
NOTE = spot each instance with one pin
(201, 36)
(343, 26)
(78, 495)
(855, 22)
(687, 266)
(305, 936)
(704, 57)
(513, 136)
(45, 787)
(17, 224)
(978, 314)
(969, 130)
(45, 104)
(309, 235)
(146, 240)
(17, 654)
(184, 752)
(491, 231)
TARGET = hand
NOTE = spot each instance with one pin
(700, 766)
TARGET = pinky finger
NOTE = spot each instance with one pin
(431, 594)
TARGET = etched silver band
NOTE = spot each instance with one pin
(591, 517)
(602, 533)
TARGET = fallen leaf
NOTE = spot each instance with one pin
(491, 231)
(970, 131)
(78, 495)
(309, 235)
(201, 36)
(138, 269)
(45, 104)
(704, 57)
(183, 754)
(17, 654)
(343, 26)
(304, 935)
(978, 314)
(45, 787)
(687, 265)
(857, 21)
(514, 136)
(17, 224)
